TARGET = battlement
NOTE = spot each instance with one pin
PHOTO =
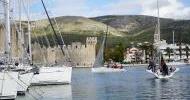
(91, 40)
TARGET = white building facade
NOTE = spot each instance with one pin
(175, 52)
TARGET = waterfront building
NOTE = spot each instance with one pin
(134, 55)
(172, 51)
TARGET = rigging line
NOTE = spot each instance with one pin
(107, 31)
(63, 43)
(54, 42)
(17, 30)
(28, 17)
(58, 28)
(46, 38)
(29, 33)
(57, 39)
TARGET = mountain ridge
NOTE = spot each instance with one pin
(134, 28)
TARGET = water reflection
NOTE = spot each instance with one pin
(169, 88)
(134, 84)
(51, 92)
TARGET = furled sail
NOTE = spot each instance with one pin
(99, 61)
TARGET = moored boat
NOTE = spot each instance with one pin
(52, 76)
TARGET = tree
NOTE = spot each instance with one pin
(116, 53)
(169, 51)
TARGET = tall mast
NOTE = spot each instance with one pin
(173, 37)
(7, 32)
(157, 37)
(158, 21)
(105, 43)
(174, 45)
(29, 33)
(21, 35)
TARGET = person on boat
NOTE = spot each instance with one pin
(164, 67)
(120, 66)
(152, 65)
(114, 65)
(109, 65)
(172, 69)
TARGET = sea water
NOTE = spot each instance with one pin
(134, 84)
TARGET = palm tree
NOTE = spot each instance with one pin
(169, 51)
(187, 51)
(145, 48)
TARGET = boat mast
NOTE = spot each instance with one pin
(158, 19)
(157, 37)
(105, 43)
(174, 45)
(29, 33)
(21, 32)
(21, 36)
(7, 32)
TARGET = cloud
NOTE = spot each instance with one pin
(168, 8)
(69, 7)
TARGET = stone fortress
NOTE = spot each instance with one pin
(82, 55)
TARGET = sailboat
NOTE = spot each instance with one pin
(157, 62)
(8, 85)
(60, 74)
(175, 62)
(98, 66)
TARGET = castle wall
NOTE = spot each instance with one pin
(82, 55)
(38, 54)
(14, 42)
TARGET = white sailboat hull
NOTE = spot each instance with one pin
(52, 76)
(160, 76)
(24, 81)
(8, 85)
(176, 63)
(107, 70)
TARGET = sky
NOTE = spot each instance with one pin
(176, 9)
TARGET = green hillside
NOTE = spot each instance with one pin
(125, 29)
